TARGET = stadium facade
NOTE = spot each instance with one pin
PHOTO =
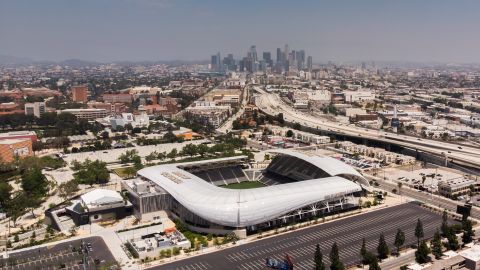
(301, 187)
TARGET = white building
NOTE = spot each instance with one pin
(35, 108)
(124, 119)
(358, 96)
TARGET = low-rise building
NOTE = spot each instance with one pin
(455, 187)
(24, 134)
(99, 205)
(117, 98)
(121, 120)
(9, 108)
(12, 148)
(88, 114)
(150, 245)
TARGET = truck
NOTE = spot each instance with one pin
(286, 264)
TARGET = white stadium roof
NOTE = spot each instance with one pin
(241, 208)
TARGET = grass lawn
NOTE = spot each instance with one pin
(123, 172)
(244, 185)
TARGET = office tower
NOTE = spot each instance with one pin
(216, 62)
(286, 52)
(213, 62)
(309, 63)
(253, 53)
(279, 55)
(36, 109)
(267, 57)
(229, 62)
(219, 62)
(241, 64)
(301, 59)
(249, 64)
(79, 93)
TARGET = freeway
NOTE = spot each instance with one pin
(272, 104)
(300, 244)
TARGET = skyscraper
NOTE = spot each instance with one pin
(279, 55)
(309, 63)
(267, 57)
(216, 62)
(253, 53)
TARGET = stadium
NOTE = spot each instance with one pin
(223, 195)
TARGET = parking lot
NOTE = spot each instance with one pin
(67, 255)
(300, 244)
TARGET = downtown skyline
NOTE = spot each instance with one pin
(153, 30)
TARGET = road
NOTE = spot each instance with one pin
(300, 244)
(272, 104)
(425, 197)
(227, 125)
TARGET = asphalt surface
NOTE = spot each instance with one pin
(300, 244)
(426, 197)
(65, 254)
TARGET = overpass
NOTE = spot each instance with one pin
(272, 104)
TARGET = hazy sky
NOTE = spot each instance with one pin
(109, 30)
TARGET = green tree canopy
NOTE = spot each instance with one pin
(437, 245)
(318, 259)
(419, 231)
(382, 248)
(335, 263)
(399, 240)
(421, 255)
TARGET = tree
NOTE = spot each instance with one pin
(399, 240)
(452, 240)
(399, 184)
(468, 233)
(280, 119)
(335, 263)
(152, 156)
(170, 137)
(34, 183)
(92, 172)
(5, 193)
(382, 248)
(437, 245)
(172, 154)
(421, 255)
(130, 171)
(363, 250)
(444, 227)
(189, 149)
(202, 149)
(318, 259)
(373, 265)
(104, 135)
(289, 133)
(16, 207)
(419, 231)
(67, 189)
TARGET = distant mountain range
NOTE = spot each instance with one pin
(14, 60)
(8, 59)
